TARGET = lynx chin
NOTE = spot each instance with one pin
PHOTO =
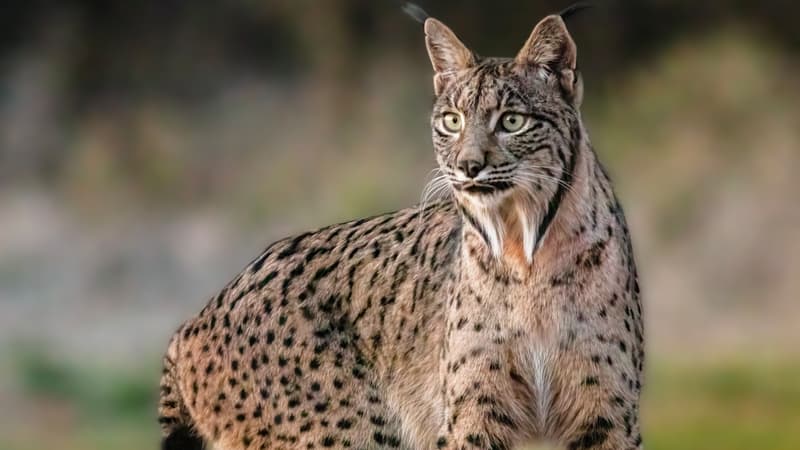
(507, 314)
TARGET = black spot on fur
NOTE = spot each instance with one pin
(182, 438)
(596, 433)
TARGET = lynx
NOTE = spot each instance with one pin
(507, 314)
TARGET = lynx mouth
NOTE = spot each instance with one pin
(478, 188)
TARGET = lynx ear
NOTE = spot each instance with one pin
(448, 54)
(550, 45)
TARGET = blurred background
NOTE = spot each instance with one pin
(150, 149)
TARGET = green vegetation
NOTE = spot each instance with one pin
(711, 406)
(723, 406)
(81, 407)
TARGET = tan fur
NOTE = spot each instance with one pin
(506, 316)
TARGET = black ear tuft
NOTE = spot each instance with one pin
(182, 438)
(575, 8)
(415, 12)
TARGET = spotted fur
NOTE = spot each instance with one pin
(508, 314)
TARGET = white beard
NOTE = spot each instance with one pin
(506, 216)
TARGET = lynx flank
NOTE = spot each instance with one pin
(506, 315)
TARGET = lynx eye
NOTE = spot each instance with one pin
(512, 122)
(452, 122)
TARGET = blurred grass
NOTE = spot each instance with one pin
(734, 405)
(706, 406)
(78, 407)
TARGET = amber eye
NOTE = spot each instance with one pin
(512, 122)
(452, 122)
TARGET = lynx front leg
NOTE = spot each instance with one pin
(608, 433)
(483, 397)
(597, 406)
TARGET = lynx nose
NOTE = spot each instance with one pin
(470, 167)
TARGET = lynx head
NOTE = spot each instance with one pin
(506, 131)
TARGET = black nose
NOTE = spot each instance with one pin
(470, 167)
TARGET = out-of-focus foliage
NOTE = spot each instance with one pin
(149, 149)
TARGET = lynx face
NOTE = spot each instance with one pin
(504, 129)
(491, 130)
